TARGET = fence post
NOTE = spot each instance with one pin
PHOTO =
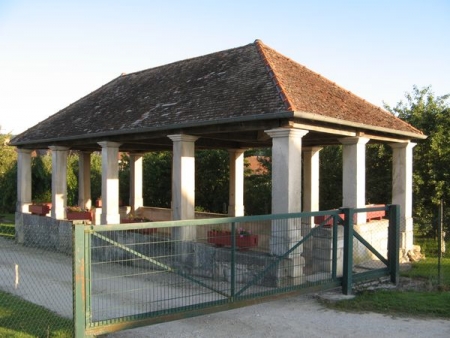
(440, 236)
(394, 242)
(347, 278)
(79, 290)
(233, 260)
(335, 248)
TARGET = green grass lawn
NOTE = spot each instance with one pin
(429, 269)
(399, 303)
(7, 225)
(22, 319)
(431, 304)
(19, 318)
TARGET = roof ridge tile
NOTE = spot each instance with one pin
(283, 94)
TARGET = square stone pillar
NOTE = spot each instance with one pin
(310, 195)
(311, 178)
(402, 181)
(286, 194)
(59, 181)
(84, 180)
(183, 184)
(236, 194)
(23, 180)
(354, 174)
(286, 169)
(110, 182)
(136, 182)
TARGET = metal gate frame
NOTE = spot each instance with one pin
(81, 260)
(393, 260)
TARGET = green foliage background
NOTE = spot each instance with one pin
(431, 178)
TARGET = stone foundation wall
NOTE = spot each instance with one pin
(44, 232)
(322, 251)
(193, 258)
(374, 232)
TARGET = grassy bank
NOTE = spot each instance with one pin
(22, 319)
(432, 300)
(399, 303)
(7, 225)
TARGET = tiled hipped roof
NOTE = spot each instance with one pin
(253, 81)
(309, 92)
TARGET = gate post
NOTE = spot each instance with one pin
(79, 287)
(394, 242)
(347, 278)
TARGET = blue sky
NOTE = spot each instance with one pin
(54, 52)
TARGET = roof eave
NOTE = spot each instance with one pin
(322, 118)
(269, 116)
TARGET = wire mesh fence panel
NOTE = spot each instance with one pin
(131, 274)
(427, 262)
(35, 286)
(137, 271)
(371, 245)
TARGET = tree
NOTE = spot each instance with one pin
(212, 171)
(96, 176)
(431, 179)
(8, 175)
(330, 175)
(378, 174)
(258, 185)
(124, 179)
(41, 178)
(157, 179)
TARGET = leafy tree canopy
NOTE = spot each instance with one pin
(430, 114)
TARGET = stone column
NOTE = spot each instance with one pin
(23, 180)
(286, 194)
(84, 180)
(183, 184)
(110, 182)
(286, 169)
(236, 194)
(59, 181)
(311, 178)
(136, 182)
(402, 170)
(310, 194)
(354, 174)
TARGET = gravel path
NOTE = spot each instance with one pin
(300, 316)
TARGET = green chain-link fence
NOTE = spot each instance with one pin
(430, 259)
(31, 276)
(39, 270)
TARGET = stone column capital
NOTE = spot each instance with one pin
(236, 151)
(354, 140)
(183, 138)
(286, 132)
(312, 150)
(109, 144)
(58, 148)
(24, 151)
(136, 154)
(403, 145)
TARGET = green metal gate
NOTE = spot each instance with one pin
(131, 275)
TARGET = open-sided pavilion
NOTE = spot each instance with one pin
(241, 98)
